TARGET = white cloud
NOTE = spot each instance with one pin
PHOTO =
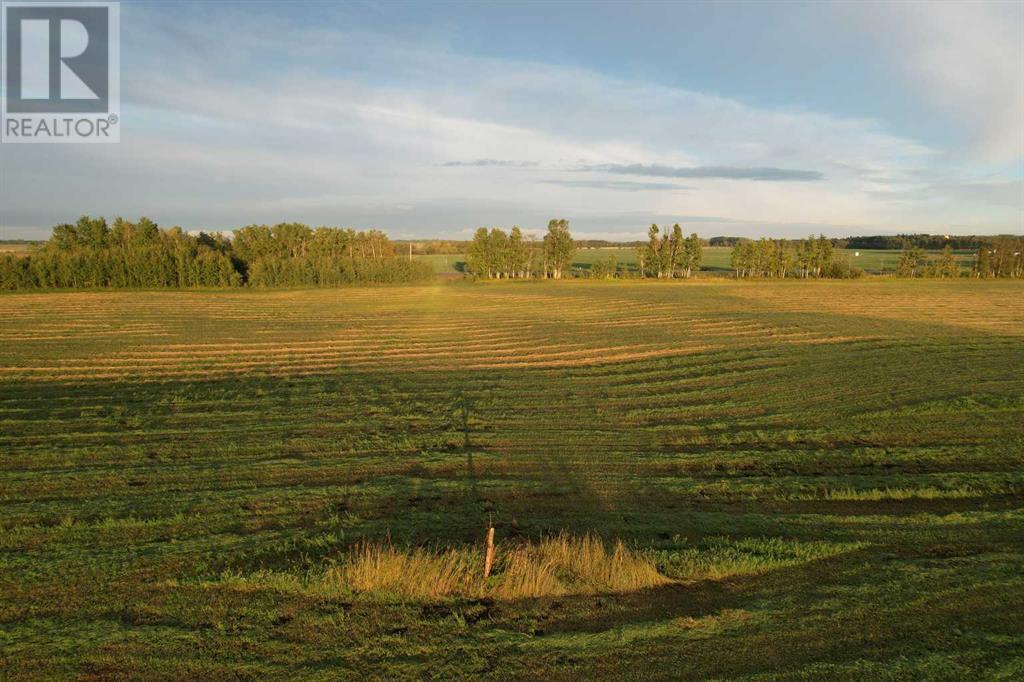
(965, 56)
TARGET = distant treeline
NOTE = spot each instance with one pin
(1004, 257)
(726, 241)
(92, 254)
(928, 242)
(605, 244)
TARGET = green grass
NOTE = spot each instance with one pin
(886, 261)
(445, 264)
(809, 480)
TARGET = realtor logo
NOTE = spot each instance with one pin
(61, 72)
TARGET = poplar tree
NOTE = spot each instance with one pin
(519, 259)
(948, 267)
(823, 253)
(641, 254)
(694, 254)
(654, 250)
(477, 259)
(983, 264)
(679, 255)
(558, 247)
(499, 259)
(910, 260)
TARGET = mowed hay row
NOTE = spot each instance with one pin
(150, 336)
(347, 338)
(293, 483)
(993, 307)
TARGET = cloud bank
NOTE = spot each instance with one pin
(766, 173)
(478, 163)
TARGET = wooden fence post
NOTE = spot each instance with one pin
(489, 556)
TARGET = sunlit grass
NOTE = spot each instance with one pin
(551, 567)
(715, 558)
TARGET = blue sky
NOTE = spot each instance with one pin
(432, 119)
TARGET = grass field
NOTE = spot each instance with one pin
(810, 480)
(445, 263)
(716, 259)
(16, 249)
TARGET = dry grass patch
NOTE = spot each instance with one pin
(553, 567)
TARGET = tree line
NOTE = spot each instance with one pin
(814, 257)
(493, 254)
(1000, 257)
(914, 263)
(1003, 257)
(668, 254)
(927, 242)
(90, 253)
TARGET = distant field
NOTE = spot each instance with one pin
(16, 248)
(445, 264)
(887, 260)
(827, 477)
(717, 259)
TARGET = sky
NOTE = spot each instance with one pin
(433, 119)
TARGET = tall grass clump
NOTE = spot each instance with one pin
(415, 573)
(568, 565)
(556, 566)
